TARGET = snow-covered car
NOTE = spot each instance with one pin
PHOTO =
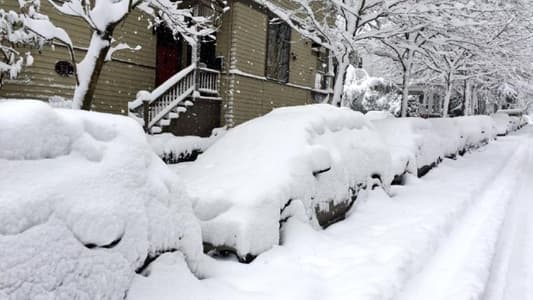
(308, 160)
(378, 115)
(451, 139)
(503, 123)
(524, 121)
(84, 204)
(477, 130)
(413, 145)
(515, 123)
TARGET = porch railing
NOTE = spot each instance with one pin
(208, 80)
(161, 103)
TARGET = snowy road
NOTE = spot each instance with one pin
(462, 232)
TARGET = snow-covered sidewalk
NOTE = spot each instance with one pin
(435, 238)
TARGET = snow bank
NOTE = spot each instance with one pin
(477, 130)
(315, 157)
(84, 203)
(413, 145)
(175, 149)
(503, 123)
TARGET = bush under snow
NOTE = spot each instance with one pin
(315, 157)
(84, 203)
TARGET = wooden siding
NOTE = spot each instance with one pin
(246, 97)
(249, 35)
(249, 30)
(254, 97)
(121, 79)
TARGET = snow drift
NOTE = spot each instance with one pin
(84, 203)
(313, 158)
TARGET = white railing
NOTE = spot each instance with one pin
(208, 80)
(153, 106)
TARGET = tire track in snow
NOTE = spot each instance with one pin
(512, 271)
(460, 267)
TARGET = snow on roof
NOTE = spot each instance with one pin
(240, 184)
(84, 202)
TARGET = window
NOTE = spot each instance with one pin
(64, 68)
(278, 50)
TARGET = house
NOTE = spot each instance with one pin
(255, 65)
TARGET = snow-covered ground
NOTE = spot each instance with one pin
(461, 232)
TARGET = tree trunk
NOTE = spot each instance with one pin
(405, 93)
(405, 83)
(469, 104)
(338, 88)
(447, 97)
(89, 69)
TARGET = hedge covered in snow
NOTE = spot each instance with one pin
(85, 203)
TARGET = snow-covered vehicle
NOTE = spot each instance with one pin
(503, 123)
(85, 203)
(413, 145)
(477, 130)
(378, 115)
(312, 160)
(524, 120)
(452, 142)
(515, 123)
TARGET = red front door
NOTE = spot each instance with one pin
(168, 57)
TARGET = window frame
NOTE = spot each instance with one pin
(268, 76)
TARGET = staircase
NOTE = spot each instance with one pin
(158, 108)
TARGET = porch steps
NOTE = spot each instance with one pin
(158, 108)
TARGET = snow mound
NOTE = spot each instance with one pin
(84, 203)
(317, 157)
(412, 142)
(477, 130)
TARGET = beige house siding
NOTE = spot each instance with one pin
(129, 72)
(255, 97)
(245, 90)
(241, 40)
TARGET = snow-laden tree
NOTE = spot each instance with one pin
(478, 49)
(342, 27)
(416, 26)
(103, 16)
(27, 27)
(368, 93)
